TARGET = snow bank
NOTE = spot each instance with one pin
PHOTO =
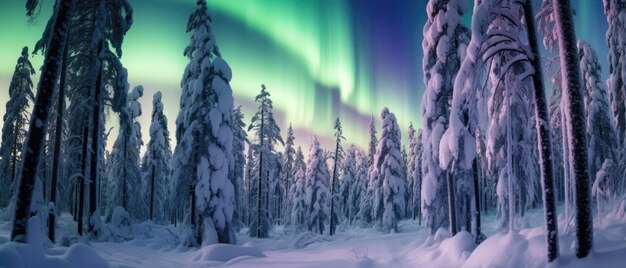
(17, 255)
(224, 253)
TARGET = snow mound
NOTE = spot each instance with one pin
(497, 251)
(18, 255)
(224, 253)
(307, 239)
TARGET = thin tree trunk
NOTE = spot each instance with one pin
(56, 155)
(152, 191)
(95, 147)
(476, 199)
(570, 69)
(451, 204)
(81, 194)
(332, 191)
(258, 210)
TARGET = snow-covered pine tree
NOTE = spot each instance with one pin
(35, 136)
(337, 164)
(347, 183)
(615, 10)
(267, 134)
(359, 188)
(575, 119)
(443, 36)
(15, 121)
(389, 187)
(125, 175)
(371, 151)
(414, 163)
(203, 156)
(405, 177)
(298, 214)
(158, 157)
(240, 139)
(317, 189)
(288, 171)
(248, 185)
(600, 129)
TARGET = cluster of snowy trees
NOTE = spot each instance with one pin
(534, 154)
(519, 153)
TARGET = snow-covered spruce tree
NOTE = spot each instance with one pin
(158, 156)
(510, 113)
(443, 36)
(615, 10)
(249, 178)
(317, 189)
(298, 215)
(600, 129)
(14, 125)
(240, 139)
(125, 176)
(35, 136)
(389, 187)
(337, 164)
(414, 171)
(347, 183)
(575, 117)
(359, 187)
(288, 171)
(373, 141)
(203, 156)
(267, 134)
(405, 177)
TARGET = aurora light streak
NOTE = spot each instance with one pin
(319, 58)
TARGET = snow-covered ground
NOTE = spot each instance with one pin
(157, 246)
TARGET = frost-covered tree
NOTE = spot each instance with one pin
(444, 38)
(125, 175)
(288, 170)
(15, 121)
(298, 215)
(249, 178)
(389, 187)
(158, 156)
(267, 134)
(359, 187)
(347, 182)
(203, 156)
(337, 163)
(373, 141)
(414, 163)
(600, 129)
(240, 139)
(615, 10)
(317, 189)
(575, 119)
(35, 136)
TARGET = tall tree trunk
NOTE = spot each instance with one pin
(95, 147)
(476, 200)
(332, 191)
(41, 111)
(259, 191)
(572, 92)
(451, 204)
(81, 193)
(56, 154)
(152, 191)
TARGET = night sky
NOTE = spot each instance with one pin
(319, 58)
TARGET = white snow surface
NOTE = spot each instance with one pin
(412, 246)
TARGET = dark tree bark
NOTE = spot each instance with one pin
(41, 111)
(332, 192)
(544, 140)
(572, 92)
(81, 182)
(259, 190)
(56, 154)
(152, 191)
(95, 147)
(478, 234)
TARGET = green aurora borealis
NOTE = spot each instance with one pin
(319, 58)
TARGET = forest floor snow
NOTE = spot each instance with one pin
(412, 246)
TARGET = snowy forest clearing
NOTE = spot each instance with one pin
(157, 246)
